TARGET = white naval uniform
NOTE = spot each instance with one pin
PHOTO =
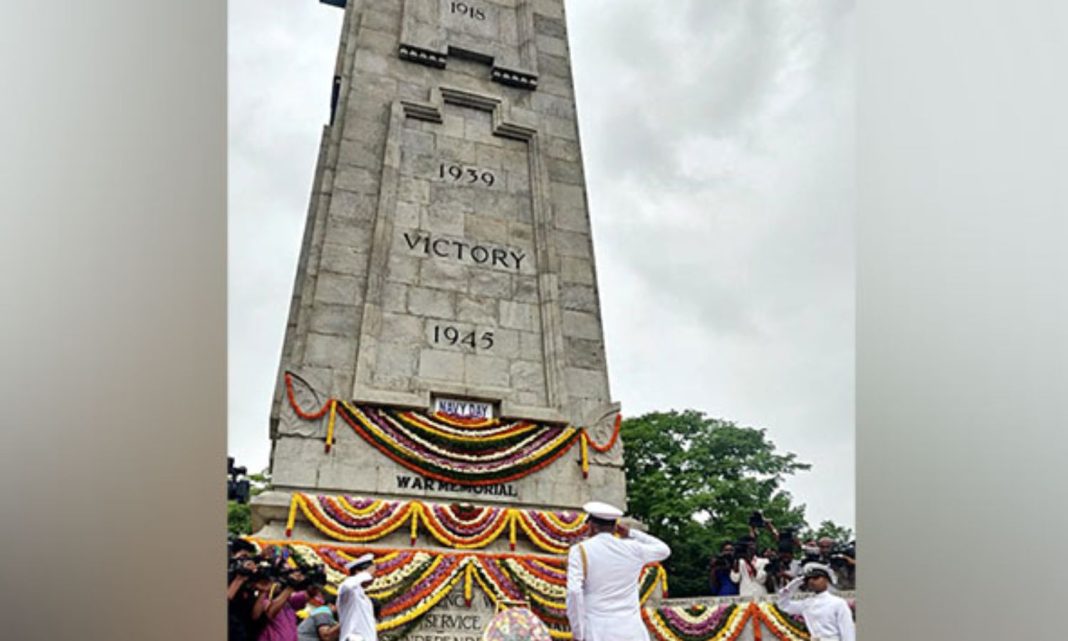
(826, 615)
(603, 602)
(355, 610)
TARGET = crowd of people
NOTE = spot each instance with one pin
(740, 569)
(270, 597)
(603, 603)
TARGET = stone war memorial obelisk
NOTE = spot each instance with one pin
(443, 397)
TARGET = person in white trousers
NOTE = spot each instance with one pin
(602, 578)
(354, 607)
(826, 615)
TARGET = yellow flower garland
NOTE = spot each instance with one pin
(514, 519)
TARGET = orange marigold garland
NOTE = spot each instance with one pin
(359, 520)
(452, 450)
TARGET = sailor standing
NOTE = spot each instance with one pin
(354, 607)
(826, 615)
(602, 578)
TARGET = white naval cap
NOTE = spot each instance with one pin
(602, 511)
(364, 559)
(819, 569)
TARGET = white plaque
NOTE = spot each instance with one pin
(459, 408)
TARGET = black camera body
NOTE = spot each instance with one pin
(312, 576)
(239, 567)
(774, 567)
(744, 548)
(840, 551)
(756, 520)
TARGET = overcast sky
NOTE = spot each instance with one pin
(718, 144)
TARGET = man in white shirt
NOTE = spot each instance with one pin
(354, 607)
(750, 572)
(602, 578)
(826, 615)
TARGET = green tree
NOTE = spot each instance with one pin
(831, 530)
(238, 518)
(695, 480)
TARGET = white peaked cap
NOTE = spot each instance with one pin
(814, 568)
(360, 560)
(603, 511)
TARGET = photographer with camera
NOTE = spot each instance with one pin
(240, 593)
(748, 570)
(284, 591)
(842, 558)
(783, 566)
(719, 571)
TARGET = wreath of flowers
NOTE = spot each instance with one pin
(409, 583)
(452, 450)
(360, 520)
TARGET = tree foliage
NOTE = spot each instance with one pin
(238, 518)
(695, 480)
(831, 530)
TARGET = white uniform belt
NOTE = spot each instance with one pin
(823, 639)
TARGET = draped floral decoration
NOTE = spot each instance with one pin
(696, 623)
(409, 583)
(460, 526)
(788, 626)
(723, 623)
(451, 450)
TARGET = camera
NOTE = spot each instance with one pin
(722, 560)
(743, 548)
(242, 567)
(756, 520)
(839, 553)
(773, 567)
(313, 575)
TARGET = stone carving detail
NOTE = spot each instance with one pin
(497, 32)
(434, 284)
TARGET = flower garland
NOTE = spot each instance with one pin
(342, 520)
(783, 624)
(467, 462)
(452, 450)
(409, 583)
(723, 623)
(359, 520)
(695, 623)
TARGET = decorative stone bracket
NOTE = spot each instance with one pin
(507, 45)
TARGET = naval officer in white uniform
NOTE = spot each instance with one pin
(354, 607)
(826, 615)
(602, 578)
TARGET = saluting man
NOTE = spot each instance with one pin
(602, 578)
(354, 607)
(826, 615)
